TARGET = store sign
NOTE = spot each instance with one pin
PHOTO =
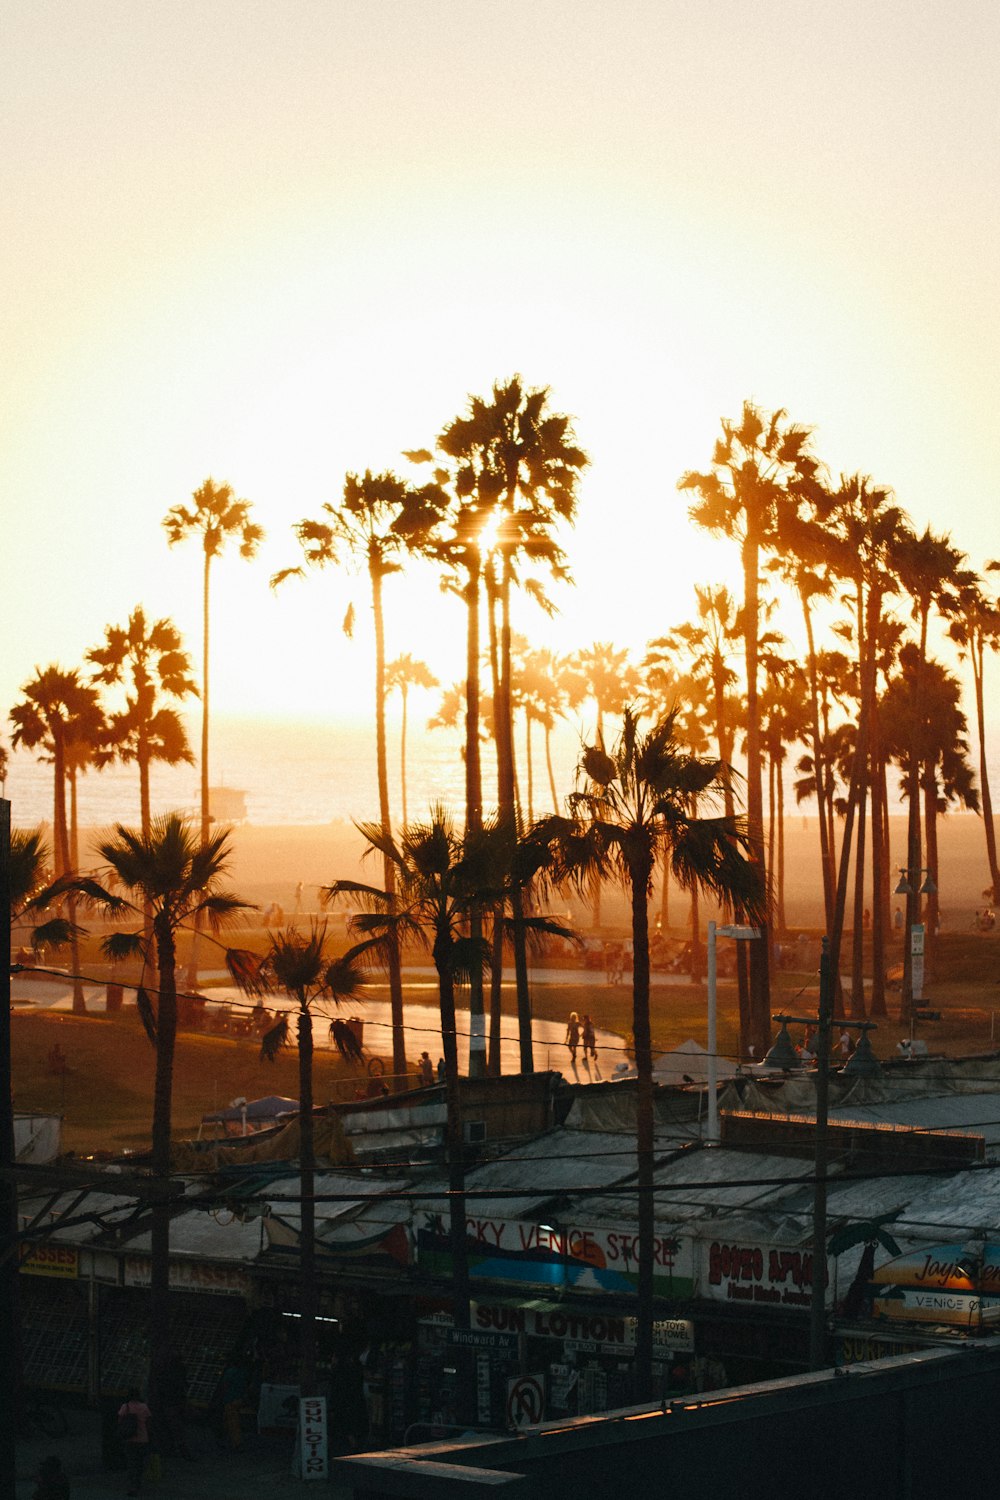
(191, 1276)
(744, 1271)
(312, 1438)
(565, 1257)
(942, 1284)
(51, 1260)
(586, 1332)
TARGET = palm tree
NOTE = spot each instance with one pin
(441, 877)
(42, 720)
(302, 968)
(28, 866)
(634, 804)
(145, 661)
(168, 871)
(975, 627)
(929, 568)
(521, 462)
(61, 716)
(379, 519)
(757, 464)
(403, 673)
(216, 516)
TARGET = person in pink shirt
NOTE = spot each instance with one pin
(133, 1430)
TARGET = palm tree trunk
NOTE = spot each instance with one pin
(307, 1235)
(508, 815)
(454, 1139)
(60, 830)
(930, 835)
(819, 771)
(399, 1080)
(548, 766)
(989, 828)
(858, 936)
(877, 1005)
(402, 754)
(639, 876)
(79, 1004)
(206, 813)
(166, 1035)
(474, 815)
(780, 884)
(493, 1066)
(760, 991)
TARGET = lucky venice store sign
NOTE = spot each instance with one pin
(585, 1259)
(955, 1283)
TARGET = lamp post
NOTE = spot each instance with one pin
(911, 886)
(824, 1021)
(715, 930)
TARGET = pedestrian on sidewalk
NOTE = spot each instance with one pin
(133, 1429)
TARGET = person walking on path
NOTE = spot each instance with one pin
(589, 1039)
(426, 1068)
(133, 1429)
(233, 1394)
(573, 1035)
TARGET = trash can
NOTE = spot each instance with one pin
(113, 1003)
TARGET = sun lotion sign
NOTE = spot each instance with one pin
(311, 1450)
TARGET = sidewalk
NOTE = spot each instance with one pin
(263, 1467)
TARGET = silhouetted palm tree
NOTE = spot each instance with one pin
(216, 517)
(61, 717)
(929, 568)
(403, 673)
(975, 627)
(167, 871)
(441, 877)
(758, 463)
(302, 968)
(521, 461)
(635, 802)
(145, 661)
(380, 518)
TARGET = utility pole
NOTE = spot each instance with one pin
(9, 1343)
(817, 1306)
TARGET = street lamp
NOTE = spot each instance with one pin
(906, 885)
(716, 930)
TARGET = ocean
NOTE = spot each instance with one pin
(292, 773)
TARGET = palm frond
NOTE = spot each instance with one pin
(248, 972)
(273, 1040)
(122, 945)
(344, 1039)
(56, 933)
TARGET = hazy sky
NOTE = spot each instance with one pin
(274, 242)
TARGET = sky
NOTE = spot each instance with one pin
(275, 243)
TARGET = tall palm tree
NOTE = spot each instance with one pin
(379, 519)
(975, 627)
(634, 803)
(758, 463)
(403, 673)
(42, 720)
(302, 968)
(167, 870)
(441, 876)
(60, 715)
(146, 661)
(216, 517)
(929, 569)
(520, 460)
